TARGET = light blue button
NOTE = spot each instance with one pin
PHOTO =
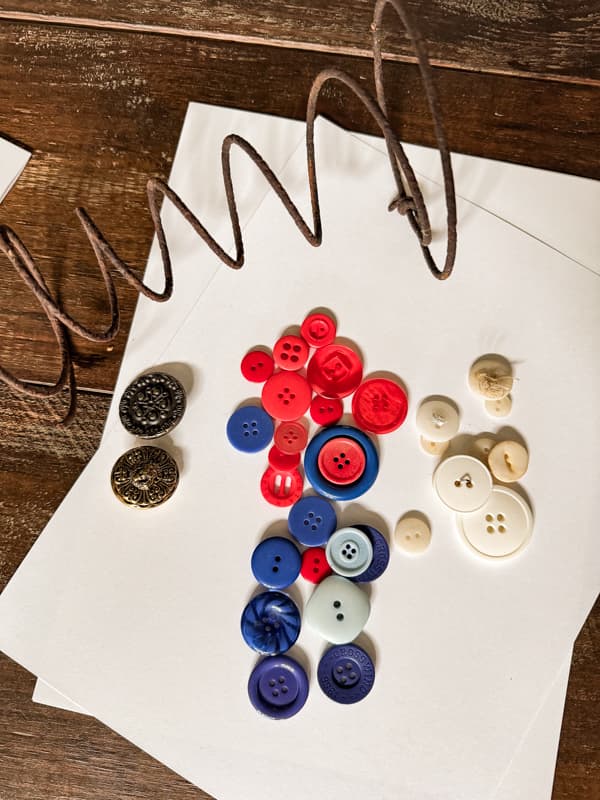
(349, 552)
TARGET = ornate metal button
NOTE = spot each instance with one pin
(144, 477)
(152, 405)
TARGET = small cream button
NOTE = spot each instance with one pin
(437, 419)
(482, 447)
(501, 528)
(434, 448)
(463, 483)
(491, 377)
(412, 535)
(500, 407)
(508, 461)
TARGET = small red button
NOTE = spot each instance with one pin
(257, 366)
(334, 371)
(286, 395)
(315, 566)
(291, 437)
(290, 352)
(281, 488)
(283, 462)
(379, 405)
(318, 330)
(326, 412)
(341, 460)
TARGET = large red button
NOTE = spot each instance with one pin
(379, 405)
(315, 566)
(334, 371)
(286, 395)
(283, 462)
(257, 366)
(326, 411)
(281, 488)
(291, 437)
(318, 330)
(341, 460)
(290, 352)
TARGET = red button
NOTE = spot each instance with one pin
(334, 371)
(290, 352)
(286, 395)
(341, 460)
(314, 565)
(290, 437)
(318, 330)
(326, 412)
(379, 405)
(281, 488)
(257, 366)
(283, 462)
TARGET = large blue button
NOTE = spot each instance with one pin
(250, 429)
(381, 554)
(335, 491)
(312, 520)
(270, 623)
(278, 687)
(346, 673)
(276, 562)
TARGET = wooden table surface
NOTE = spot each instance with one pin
(98, 92)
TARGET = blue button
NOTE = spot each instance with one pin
(334, 491)
(250, 429)
(381, 554)
(270, 623)
(278, 687)
(276, 562)
(346, 673)
(312, 520)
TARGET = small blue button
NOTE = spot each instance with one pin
(276, 562)
(381, 554)
(271, 623)
(250, 429)
(346, 673)
(312, 520)
(278, 687)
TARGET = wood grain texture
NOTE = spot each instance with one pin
(556, 38)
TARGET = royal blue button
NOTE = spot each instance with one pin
(381, 554)
(276, 562)
(270, 623)
(250, 429)
(334, 491)
(346, 673)
(278, 687)
(312, 520)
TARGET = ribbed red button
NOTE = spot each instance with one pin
(315, 566)
(281, 488)
(379, 405)
(290, 352)
(318, 330)
(341, 461)
(286, 395)
(334, 371)
(291, 437)
(283, 462)
(326, 411)
(257, 366)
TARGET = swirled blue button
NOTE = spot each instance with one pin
(270, 623)
(278, 687)
(349, 552)
(312, 520)
(381, 554)
(367, 466)
(250, 429)
(276, 562)
(346, 673)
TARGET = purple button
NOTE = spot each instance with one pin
(381, 554)
(346, 673)
(278, 687)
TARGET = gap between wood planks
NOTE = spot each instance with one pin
(289, 44)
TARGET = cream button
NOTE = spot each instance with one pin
(437, 419)
(463, 483)
(508, 461)
(491, 377)
(500, 407)
(412, 535)
(501, 528)
(434, 448)
(482, 447)
(337, 610)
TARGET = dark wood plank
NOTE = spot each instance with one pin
(558, 39)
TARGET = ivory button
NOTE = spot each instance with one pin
(437, 419)
(337, 610)
(500, 407)
(462, 483)
(412, 535)
(508, 461)
(482, 447)
(434, 448)
(491, 377)
(501, 528)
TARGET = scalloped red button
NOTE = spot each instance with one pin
(281, 488)
(379, 405)
(318, 330)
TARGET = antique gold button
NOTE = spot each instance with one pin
(152, 405)
(144, 477)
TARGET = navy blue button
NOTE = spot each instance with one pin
(278, 687)
(276, 562)
(270, 623)
(250, 429)
(312, 520)
(381, 554)
(334, 491)
(346, 673)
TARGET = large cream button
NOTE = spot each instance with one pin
(412, 535)
(501, 528)
(491, 377)
(508, 461)
(501, 407)
(437, 419)
(463, 483)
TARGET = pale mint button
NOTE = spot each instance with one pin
(337, 610)
(349, 552)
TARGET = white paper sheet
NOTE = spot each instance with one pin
(12, 163)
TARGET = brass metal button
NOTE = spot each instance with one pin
(144, 477)
(152, 405)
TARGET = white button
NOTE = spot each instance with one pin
(501, 528)
(491, 377)
(337, 610)
(437, 419)
(412, 534)
(463, 483)
(508, 461)
(434, 448)
(482, 446)
(500, 407)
